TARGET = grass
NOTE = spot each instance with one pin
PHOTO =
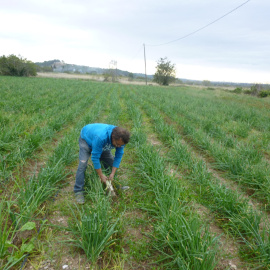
(157, 209)
(181, 243)
(186, 238)
(7, 236)
(226, 203)
(38, 189)
(242, 160)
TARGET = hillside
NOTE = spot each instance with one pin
(59, 66)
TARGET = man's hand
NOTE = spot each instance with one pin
(111, 177)
(103, 178)
(112, 173)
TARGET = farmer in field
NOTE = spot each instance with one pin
(97, 140)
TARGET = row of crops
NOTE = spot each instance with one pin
(235, 136)
(215, 143)
(22, 208)
(249, 225)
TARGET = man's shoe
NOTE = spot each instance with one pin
(79, 197)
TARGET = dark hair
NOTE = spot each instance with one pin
(119, 133)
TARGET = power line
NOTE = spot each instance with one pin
(192, 33)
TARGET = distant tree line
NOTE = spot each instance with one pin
(13, 65)
(255, 90)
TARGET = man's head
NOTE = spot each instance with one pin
(120, 136)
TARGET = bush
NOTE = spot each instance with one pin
(238, 90)
(15, 66)
(247, 92)
(256, 89)
(264, 93)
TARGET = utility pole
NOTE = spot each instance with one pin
(145, 65)
(113, 70)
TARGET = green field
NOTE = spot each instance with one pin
(198, 165)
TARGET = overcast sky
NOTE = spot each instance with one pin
(92, 33)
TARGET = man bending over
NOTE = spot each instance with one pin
(97, 140)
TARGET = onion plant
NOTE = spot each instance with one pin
(92, 229)
(226, 203)
(93, 226)
(187, 239)
(114, 108)
(7, 231)
(7, 234)
(179, 235)
(191, 244)
(37, 117)
(65, 152)
(238, 157)
(256, 242)
(33, 192)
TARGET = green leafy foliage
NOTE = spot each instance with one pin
(13, 65)
(165, 72)
(238, 90)
(93, 226)
(28, 226)
(92, 229)
(264, 93)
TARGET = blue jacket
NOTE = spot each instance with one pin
(98, 137)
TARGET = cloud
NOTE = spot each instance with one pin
(95, 32)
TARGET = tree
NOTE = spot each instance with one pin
(256, 89)
(206, 83)
(15, 66)
(130, 76)
(106, 76)
(165, 72)
(111, 73)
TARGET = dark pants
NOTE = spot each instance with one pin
(106, 160)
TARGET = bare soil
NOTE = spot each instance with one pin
(88, 77)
